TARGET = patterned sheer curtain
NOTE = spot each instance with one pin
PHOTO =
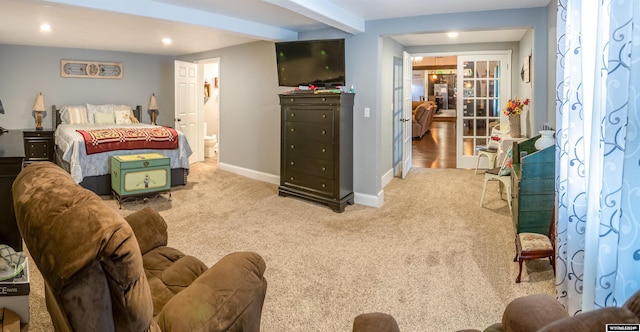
(598, 153)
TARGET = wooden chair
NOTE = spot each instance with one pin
(535, 246)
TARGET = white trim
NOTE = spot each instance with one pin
(369, 200)
(266, 177)
(387, 177)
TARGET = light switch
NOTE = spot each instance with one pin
(367, 112)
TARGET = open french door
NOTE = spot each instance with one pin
(483, 86)
(406, 113)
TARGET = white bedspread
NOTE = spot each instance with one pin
(81, 165)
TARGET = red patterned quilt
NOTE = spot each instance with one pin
(109, 139)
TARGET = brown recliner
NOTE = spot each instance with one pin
(422, 118)
(105, 273)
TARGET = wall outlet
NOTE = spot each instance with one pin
(367, 112)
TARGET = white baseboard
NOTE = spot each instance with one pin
(250, 173)
(363, 199)
(375, 201)
(387, 177)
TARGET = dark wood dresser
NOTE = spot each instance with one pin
(11, 157)
(317, 148)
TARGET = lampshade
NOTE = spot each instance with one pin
(38, 106)
(153, 103)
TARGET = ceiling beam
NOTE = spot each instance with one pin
(159, 10)
(325, 12)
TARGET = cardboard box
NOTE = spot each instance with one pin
(9, 320)
(14, 294)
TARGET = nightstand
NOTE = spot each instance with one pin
(38, 146)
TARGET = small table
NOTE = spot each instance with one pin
(38, 145)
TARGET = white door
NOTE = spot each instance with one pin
(483, 86)
(186, 107)
(407, 69)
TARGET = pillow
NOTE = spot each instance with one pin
(74, 115)
(122, 116)
(104, 118)
(93, 109)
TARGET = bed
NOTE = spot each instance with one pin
(90, 168)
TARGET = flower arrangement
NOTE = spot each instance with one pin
(515, 106)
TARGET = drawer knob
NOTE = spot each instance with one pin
(324, 116)
(45, 146)
(293, 129)
(293, 114)
(324, 99)
(324, 132)
(293, 163)
(324, 150)
(292, 178)
(324, 185)
(292, 99)
(324, 169)
(293, 146)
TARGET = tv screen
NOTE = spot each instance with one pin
(311, 62)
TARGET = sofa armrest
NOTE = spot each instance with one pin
(531, 313)
(227, 297)
(149, 227)
(593, 321)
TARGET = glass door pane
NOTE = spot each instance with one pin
(479, 108)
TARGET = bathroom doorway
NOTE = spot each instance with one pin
(210, 69)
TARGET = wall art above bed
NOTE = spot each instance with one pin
(90, 69)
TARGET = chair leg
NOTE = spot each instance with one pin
(509, 196)
(484, 189)
(492, 161)
(520, 272)
(477, 164)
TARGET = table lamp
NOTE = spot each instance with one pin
(38, 108)
(153, 108)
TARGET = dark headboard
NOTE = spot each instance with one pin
(137, 112)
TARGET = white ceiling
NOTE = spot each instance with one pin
(200, 25)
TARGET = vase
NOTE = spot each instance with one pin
(514, 126)
(546, 139)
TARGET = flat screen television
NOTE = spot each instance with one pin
(311, 62)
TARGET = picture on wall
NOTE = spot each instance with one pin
(90, 69)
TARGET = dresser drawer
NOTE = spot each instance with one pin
(315, 183)
(311, 100)
(322, 150)
(305, 130)
(38, 149)
(319, 116)
(310, 166)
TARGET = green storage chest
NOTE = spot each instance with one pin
(139, 174)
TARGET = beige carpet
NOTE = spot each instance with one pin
(430, 256)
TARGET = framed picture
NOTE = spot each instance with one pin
(90, 69)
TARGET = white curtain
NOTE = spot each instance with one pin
(598, 153)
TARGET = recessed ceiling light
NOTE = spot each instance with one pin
(45, 27)
(452, 34)
(166, 41)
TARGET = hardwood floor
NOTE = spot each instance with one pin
(437, 148)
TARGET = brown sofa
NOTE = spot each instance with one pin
(422, 117)
(105, 273)
(543, 313)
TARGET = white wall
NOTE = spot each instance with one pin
(249, 107)
(521, 89)
(28, 70)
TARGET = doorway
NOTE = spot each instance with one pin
(434, 78)
(210, 73)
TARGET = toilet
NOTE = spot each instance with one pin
(210, 144)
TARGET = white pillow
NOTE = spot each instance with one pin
(74, 115)
(93, 109)
(122, 116)
(104, 118)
